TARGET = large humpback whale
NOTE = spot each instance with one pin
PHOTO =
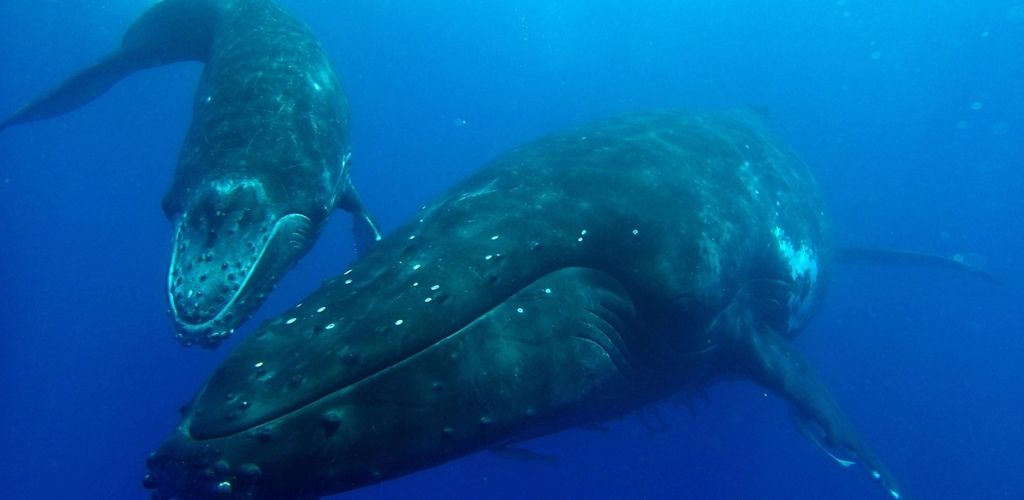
(265, 161)
(574, 279)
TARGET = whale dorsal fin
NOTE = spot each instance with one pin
(171, 31)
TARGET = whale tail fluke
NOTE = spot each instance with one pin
(171, 31)
(80, 89)
(970, 264)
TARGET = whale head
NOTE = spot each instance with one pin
(232, 244)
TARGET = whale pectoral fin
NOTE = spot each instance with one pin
(969, 264)
(365, 231)
(772, 361)
(80, 89)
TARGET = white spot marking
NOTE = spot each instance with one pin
(488, 257)
(348, 282)
(495, 237)
(347, 272)
(547, 290)
(316, 86)
(519, 310)
(415, 267)
(321, 309)
(435, 287)
(258, 365)
(416, 283)
(636, 231)
(290, 321)
(399, 322)
(330, 326)
(428, 299)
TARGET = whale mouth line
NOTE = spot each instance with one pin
(288, 235)
(379, 372)
(413, 352)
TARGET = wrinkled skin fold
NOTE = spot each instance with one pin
(574, 279)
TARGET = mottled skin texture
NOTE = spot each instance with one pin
(268, 143)
(571, 280)
(265, 160)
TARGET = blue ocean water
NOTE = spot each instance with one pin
(909, 113)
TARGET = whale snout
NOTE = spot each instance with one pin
(228, 254)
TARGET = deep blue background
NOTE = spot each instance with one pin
(909, 113)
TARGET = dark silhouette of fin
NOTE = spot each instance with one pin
(966, 263)
(171, 31)
(80, 89)
(813, 434)
(599, 427)
(364, 229)
(771, 360)
(522, 454)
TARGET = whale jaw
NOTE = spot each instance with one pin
(225, 263)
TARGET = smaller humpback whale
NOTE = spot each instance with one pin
(265, 160)
(577, 278)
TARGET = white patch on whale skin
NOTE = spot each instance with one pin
(802, 262)
(314, 80)
(227, 186)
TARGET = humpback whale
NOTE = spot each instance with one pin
(572, 280)
(265, 161)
